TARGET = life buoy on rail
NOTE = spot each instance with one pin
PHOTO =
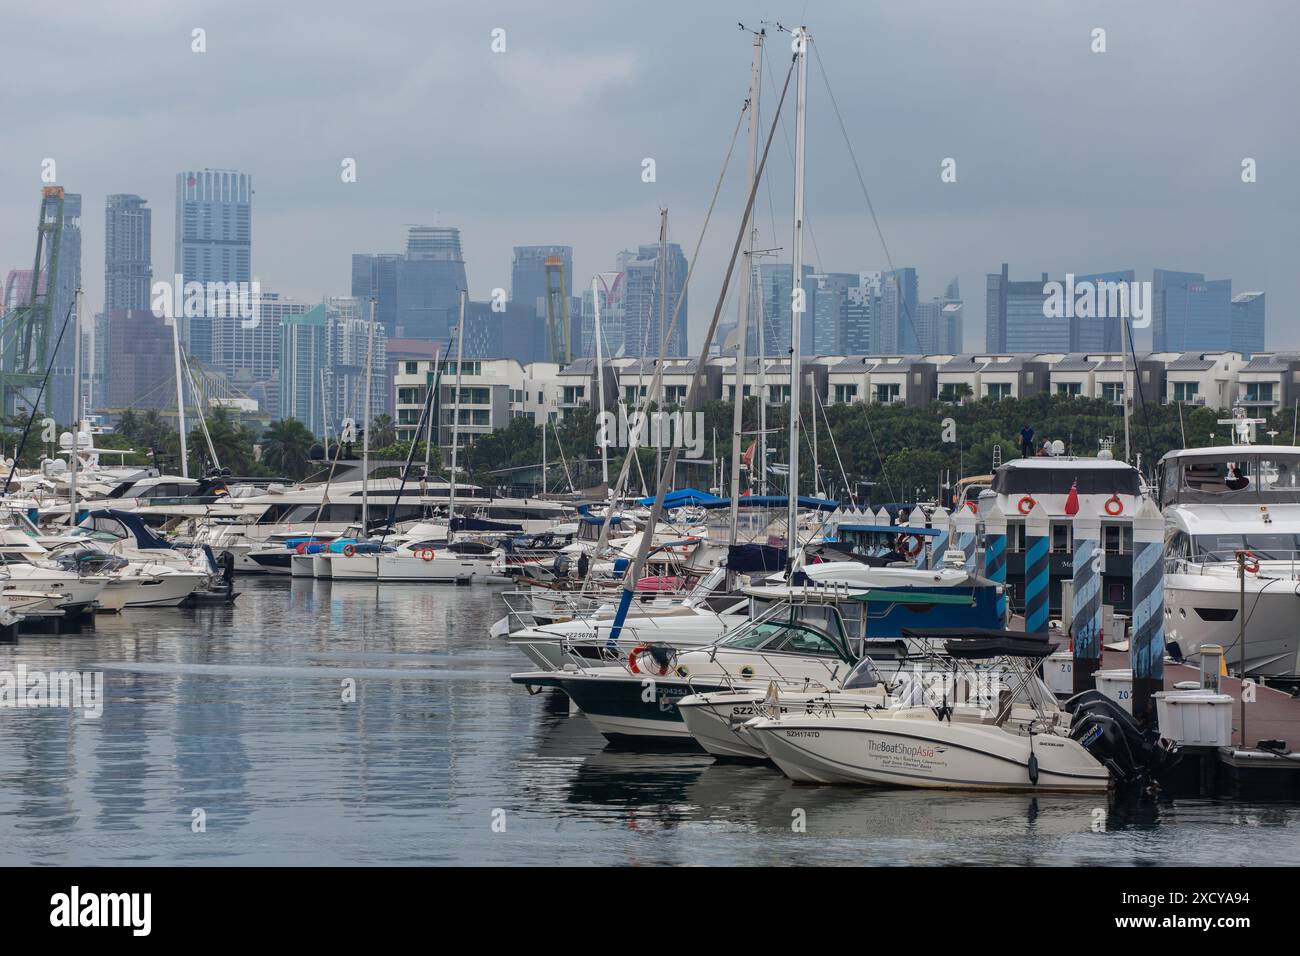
(974, 509)
(1026, 505)
(637, 652)
(912, 550)
(1114, 506)
(348, 551)
(1250, 564)
(428, 554)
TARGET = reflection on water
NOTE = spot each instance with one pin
(244, 713)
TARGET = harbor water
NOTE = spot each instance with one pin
(319, 723)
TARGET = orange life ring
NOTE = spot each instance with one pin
(1026, 505)
(348, 551)
(637, 652)
(974, 509)
(428, 554)
(911, 552)
(1119, 505)
(1251, 564)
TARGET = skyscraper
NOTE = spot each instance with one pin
(429, 281)
(1189, 314)
(1015, 318)
(939, 323)
(347, 343)
(528, 291)
(776, 289)
(895, 321)
(651, 291)
(214, 230)
(830, 310)
(128, 258)
(374, 276)
(303, 353)
(1248, 322)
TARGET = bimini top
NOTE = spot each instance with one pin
(978, 643)
(683, 497)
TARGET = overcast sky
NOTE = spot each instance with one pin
(1067, 160)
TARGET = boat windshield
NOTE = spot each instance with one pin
(1270, 546)
(863, 675)
(791, 637)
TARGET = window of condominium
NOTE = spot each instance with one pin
(998, 390)
(1073, 389)
(1186, 391)
(845, 394)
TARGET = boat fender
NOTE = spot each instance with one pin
(1033, 762)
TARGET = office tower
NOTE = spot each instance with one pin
(347, 342)
(247, 347)
(214, 228)
(939, 323)
(128, 257)
(430, 278)
(861, 302)
(1248, 322)
(60, 390)
(830, 310)
(302, 357)
(610, 287)
(1016, 318)
(895, 320)
(374, 276)
(1189, 314)
(776, 289)
(651, 292)
(139, 352)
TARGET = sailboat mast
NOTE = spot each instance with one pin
(600, 382)
(455, 414)
(365, 424)
(663, 291)
(801, 40)
(180, 395)
(76, 412)
(742, 323)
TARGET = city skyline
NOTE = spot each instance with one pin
(1030, 188)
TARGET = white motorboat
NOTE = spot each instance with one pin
(1218, 503)
(977, 744)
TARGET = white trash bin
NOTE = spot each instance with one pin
(1195, 718)
(1058, 673)
(1117, 684)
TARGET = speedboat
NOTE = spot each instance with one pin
(1011, 736)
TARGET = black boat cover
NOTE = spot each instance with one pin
(977, 643)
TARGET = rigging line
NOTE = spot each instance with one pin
(834, 444)
(1137, 381)
(883, 473)
(643, 402)
(865, 193)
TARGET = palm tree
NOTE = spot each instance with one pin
(285, 447)
(383, 432)
(128, 425)
(232, 442)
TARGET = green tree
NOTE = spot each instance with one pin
(383, 431)
(231, 440)
(285, 447)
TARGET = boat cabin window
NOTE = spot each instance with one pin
(1267, 547)
(1057, 480)
(862, 676)
(1117, 538)
(1061, 536)
(1248, 474)
(105, 527)
(792, 637)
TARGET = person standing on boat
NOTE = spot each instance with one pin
(1026, 442)
(584, 565)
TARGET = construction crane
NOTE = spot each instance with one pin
(26, 329)
(557, 311)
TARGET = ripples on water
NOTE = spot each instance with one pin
(239, 711)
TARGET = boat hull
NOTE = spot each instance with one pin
(897, 752)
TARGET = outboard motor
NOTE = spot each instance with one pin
(1134, 756)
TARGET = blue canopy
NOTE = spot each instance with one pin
(774, 501)
(683, 497)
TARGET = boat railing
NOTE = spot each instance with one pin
(1276, 564)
